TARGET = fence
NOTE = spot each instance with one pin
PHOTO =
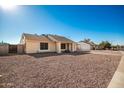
(6, 49)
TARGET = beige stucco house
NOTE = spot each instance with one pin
(84, 47)
(34, 43)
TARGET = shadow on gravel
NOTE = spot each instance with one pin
(39, 55)
(10, 54)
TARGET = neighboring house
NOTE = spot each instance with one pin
(82, 46)
(118, 47)
(93, 46)
(34, 43)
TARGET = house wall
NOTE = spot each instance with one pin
(33, 46)
(58, 47)
(83, 47)
(20, 49)
(74, 47)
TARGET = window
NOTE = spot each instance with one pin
(62, 46)
(43, 46)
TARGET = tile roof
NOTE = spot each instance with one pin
(35, 36)
(61, 38)
(54, 38)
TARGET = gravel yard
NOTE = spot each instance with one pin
(68, 70)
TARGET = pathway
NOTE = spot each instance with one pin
(118, 78)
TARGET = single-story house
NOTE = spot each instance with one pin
(34, 43)
(82, 46)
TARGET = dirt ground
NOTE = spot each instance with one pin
(53, 70)
(106, 52)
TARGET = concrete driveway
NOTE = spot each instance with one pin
(118, 78)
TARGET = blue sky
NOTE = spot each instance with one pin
(75, 22)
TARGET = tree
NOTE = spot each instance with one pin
(105, 45)
(1, 43)
(87, 40)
